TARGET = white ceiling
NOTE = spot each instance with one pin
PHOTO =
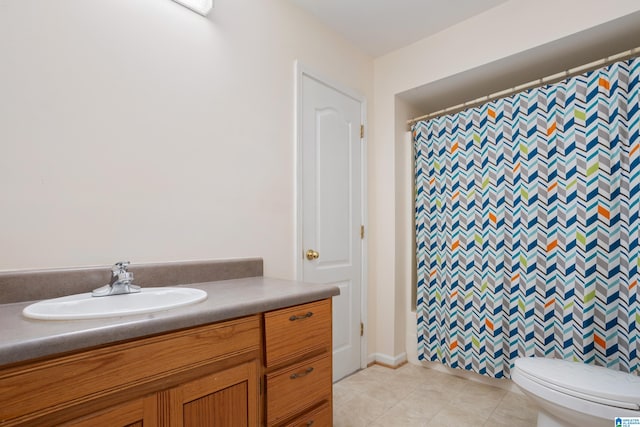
(381, 26)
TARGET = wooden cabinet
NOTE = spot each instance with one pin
(210, 376)
(176, 379)
(298, 365)
(229, 398)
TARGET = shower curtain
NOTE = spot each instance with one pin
(527, 226)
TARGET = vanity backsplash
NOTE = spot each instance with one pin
(30, 285)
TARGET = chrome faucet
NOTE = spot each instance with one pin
(121, 282)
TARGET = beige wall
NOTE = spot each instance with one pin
(509, 29)
(136, 129)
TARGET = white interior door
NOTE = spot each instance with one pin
(332, 209)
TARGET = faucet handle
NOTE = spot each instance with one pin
(119, 272)
(120, 267)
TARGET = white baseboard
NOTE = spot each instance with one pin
(387, 360)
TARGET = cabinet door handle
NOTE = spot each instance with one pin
(310, 423)
(301, 374)
(304, 316)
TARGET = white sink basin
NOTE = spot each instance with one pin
(85, 306)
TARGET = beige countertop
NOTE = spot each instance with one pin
(23, 339)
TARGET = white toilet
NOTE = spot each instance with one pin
(574, 394)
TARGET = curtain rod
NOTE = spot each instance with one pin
(535, 83)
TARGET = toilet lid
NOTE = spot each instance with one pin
(588, 382)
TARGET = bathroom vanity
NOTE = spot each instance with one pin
(256, 352)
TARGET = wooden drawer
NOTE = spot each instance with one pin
(291, 333)
(103, 376)
(293, 389)
(318, 417)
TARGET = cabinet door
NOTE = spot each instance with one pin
(229, 398)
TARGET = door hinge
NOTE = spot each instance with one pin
(361, 329)
(362, 231)
(361, 131)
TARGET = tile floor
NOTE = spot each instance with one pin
(412, 396)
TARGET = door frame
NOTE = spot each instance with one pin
(302, 70)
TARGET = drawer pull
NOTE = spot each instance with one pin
(310, 423)
(301, 374)
(304, 316)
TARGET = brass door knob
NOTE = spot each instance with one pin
(311, 255)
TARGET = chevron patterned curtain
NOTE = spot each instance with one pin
(528, 226)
